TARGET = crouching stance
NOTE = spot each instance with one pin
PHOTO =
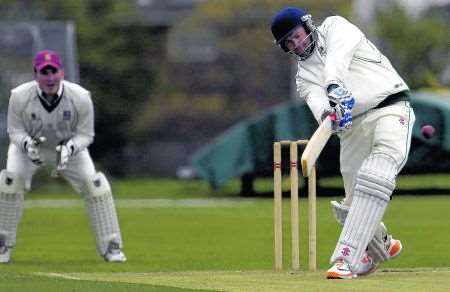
(51, 122)
(341, 72)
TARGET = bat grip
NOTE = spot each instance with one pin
(333, 117)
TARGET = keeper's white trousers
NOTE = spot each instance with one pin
(79, 168)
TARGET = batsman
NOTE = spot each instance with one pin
(340, 72)
(51, 122)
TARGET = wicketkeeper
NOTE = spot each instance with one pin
(51, 122)
(340, 71)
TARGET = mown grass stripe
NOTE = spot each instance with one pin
(144, 203)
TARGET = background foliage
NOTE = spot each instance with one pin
(142, 96)
(419, 48)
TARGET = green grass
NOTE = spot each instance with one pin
(175, 189)
(227, 246)
(49, 282)
(143, 188)
(437, 181)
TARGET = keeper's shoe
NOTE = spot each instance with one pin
(114, 254)
(394, 247)
(5, 254)
(340, 270)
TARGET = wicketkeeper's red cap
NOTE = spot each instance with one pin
(47, 58)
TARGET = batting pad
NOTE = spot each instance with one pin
(374, 185)
(12, 189)
(102, 212)
(377, 246)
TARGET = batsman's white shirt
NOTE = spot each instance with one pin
(72, 118)
(344, 55)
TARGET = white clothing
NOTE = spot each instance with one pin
(343, 55)
(386, 130)
(70, 118)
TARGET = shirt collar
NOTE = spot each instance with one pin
(58, 93)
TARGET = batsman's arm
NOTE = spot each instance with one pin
(316, 144)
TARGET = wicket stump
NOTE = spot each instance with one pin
(278, 207)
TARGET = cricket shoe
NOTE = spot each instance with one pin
(394, 248)
(340, 270)
(114, 253)
(366, 266)
(5, 254)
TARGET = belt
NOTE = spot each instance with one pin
(393, 98)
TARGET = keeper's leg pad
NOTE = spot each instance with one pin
(102, 212)
(374, 185)
(12, 189)
(377, 246)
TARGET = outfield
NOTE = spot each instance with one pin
(180, 236)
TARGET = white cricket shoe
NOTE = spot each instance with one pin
(366, 266)
(340, 270)
(114, 254)
(5, 254)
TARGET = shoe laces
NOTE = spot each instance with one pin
(340, 263)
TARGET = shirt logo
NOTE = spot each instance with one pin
(66, 115)
(322, 51)
(402, 121)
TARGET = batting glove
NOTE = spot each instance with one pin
(64, 151)
(342, 101)
(32, 148)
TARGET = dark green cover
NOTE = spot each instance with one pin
(246, 148)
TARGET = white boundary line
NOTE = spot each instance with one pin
(58, 275)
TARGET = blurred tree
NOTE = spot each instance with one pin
(419, 48)
(242, 72)
(113, 61)
(141, 96)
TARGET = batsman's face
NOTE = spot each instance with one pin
(49, 79)
(298, 41)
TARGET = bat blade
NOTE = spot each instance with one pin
(316, 144)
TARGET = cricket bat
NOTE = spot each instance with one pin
(315, 145)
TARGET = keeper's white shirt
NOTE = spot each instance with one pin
(71, 118)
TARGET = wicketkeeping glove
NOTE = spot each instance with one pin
(32, 147)
(64, 151)
(342, 101)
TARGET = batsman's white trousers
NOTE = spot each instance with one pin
(385, 130)
(79, 168)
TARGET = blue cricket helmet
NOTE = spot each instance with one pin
(287, 20)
